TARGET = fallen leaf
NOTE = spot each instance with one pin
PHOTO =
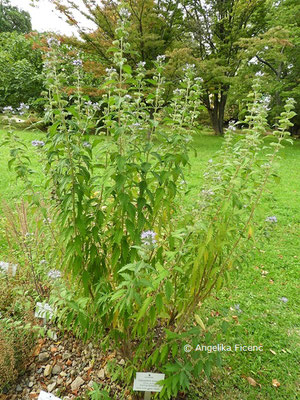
(275, 383)
(251, 381)
(53, 349)
(235, 317)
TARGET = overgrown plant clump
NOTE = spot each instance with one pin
(141, 270)
(17, 335)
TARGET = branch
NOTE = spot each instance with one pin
(266, 63)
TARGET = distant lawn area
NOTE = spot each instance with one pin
(262, 304)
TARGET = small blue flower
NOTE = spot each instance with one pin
(237, 307)
(38, 143)
(284, 299)
(8, 109)
(272, 219)
(52, 42)
(78, 63)
(54, 274)
(148, 238)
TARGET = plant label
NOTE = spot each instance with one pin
(147, 382)
(47, 396)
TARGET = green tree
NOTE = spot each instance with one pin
(275, 55)
(20, 69)
(13, 19)
(213, 29)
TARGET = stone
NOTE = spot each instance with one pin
(101, 374)
(48, 370)
(122, 362)
(77, 383)
(30, 384)
(43, 357)
(56, 369)
(63, 374)
(51, 387)
(18, 388)
(66, 355)
(59, 381)
(39, 371)
(69, 381)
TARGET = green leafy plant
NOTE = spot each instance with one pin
(140, 268)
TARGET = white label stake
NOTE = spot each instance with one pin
(147, 382)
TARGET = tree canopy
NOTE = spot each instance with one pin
(13, 19)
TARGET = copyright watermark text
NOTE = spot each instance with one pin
(221, 347)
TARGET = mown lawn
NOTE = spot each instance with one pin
(252, 306)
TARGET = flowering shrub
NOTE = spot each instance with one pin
(140, 270)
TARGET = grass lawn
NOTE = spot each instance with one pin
(253, 304)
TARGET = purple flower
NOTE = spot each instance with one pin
(22, 108)
(52, 42)
(161, 58)
(8, 109)
(54, 274)
(237, 307)
(271, 219)
(124, 13)
(78, 63)
(38, 143)
(284, 299)
(148, 238)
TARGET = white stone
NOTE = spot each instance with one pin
(77, 383)
(101, 374)
(48, 370)
(51, 387)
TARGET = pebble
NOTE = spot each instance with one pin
(43, 357)
(39, 371)
(69, 381)
(66, 355)
(18, 388)
(101, 374)
(51, 387)
(56, 369)
(30, 384)
(48, 370)
(122, 362)
(77, 383)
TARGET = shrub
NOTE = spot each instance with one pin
(140, 268)
(17, 336)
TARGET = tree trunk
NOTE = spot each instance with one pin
(216, 113)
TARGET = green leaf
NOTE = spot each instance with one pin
(168, 290)
(144, 308)
(159, 302)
